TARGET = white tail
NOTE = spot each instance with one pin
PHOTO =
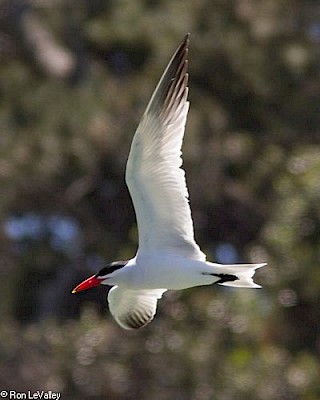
(242, 273)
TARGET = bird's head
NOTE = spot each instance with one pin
(102, 277)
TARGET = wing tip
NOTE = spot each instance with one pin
(184, 46)
(168, 94)
(186, 39)
(131, 324)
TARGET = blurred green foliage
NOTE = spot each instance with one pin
(74, 81)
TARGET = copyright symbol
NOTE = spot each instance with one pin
(3, 394)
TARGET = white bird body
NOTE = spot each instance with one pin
(167, 271)
(172, 272)
(168, 256)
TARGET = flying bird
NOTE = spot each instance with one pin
(168, 258)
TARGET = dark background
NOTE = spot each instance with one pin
(75, 78)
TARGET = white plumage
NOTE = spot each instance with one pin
(155, 180)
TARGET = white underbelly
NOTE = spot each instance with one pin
(169, 272)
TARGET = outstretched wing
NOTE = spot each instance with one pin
(133, 309)
(154, 175)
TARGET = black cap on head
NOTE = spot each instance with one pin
(109, 268)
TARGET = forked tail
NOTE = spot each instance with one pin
(237, 275)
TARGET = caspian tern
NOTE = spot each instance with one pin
(168, 258)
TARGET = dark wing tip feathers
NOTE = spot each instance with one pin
(137, 321)
(173, 87)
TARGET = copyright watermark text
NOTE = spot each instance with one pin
(30, 395)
